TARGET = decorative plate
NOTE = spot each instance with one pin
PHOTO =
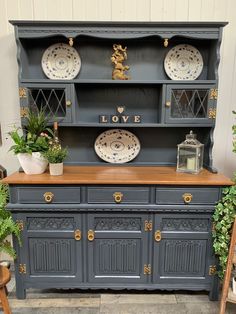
(117, 146)
(183, 62)
(61, 62)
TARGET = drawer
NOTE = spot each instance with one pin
(187, 195)
(47, 194)
(114, 195)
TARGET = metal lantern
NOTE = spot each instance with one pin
(190, 155)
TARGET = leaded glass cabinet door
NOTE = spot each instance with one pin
(190, 104)
(54, 99)
(117, 248)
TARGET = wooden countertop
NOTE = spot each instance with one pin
(120, 175)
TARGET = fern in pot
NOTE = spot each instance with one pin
(31, 142)
(55, 156)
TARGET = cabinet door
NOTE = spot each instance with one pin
(118, 251)
(52, 248)
(55, 99)
(182, 248)
(190, 104)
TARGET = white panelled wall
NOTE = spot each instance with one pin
(121, 10)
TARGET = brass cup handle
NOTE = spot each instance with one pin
(48, 197)
(77, 235)
(90, 235)
(187, 197)
(118, 197)
(157, 236)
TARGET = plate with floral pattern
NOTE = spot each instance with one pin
(117, 146)
(183, 62)
(61, 62)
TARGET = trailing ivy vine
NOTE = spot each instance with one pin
(7, 225)
(223, 219)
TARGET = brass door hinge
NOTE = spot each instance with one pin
(147, 270)
(22, 92)
(212, 270)
(24, 111)
(20, 224)
(214, 93)
(212, 113)
(22, 268)
(148, 225)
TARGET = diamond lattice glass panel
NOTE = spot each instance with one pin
(189, 103)
(53, 101)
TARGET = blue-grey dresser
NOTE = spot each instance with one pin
(141, 225)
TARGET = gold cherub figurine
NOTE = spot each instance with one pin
(119, 56)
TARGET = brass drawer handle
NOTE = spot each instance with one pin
(157, 236)
(68, 103)
(118, 196)
(48, 197)
(77, 235)
(90, 235)
(187, 197)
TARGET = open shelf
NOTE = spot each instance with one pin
(145, 56)
(158, 145)
(118, 82)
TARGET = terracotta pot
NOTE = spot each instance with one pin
(56, 169)
(33, 163)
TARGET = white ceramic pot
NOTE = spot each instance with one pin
(33, 163)
(56, 169)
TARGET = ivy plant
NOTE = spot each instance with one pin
(223, 219)
(7, 225)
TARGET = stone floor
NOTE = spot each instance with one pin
(55, 301)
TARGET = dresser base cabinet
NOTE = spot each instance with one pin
(115, 236)
(106, 248)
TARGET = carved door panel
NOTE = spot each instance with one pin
(117, 248)
(182, 248)
(52, 247)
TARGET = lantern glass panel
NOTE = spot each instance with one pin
(190, 155)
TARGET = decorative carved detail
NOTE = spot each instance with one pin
(51, 255)
(185, 224)
(48, 223)
(117, 223)
(109, 251)
(184, 257)
(158, 32)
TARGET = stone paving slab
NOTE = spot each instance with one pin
(76, 301)
(138, 299)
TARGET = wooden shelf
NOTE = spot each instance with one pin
(115, 82)
(121, 175)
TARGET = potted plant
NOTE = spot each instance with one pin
(31, 142)
(7, 225)
(223, 219)
(55, 156)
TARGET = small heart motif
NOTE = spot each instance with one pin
(120, 109)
